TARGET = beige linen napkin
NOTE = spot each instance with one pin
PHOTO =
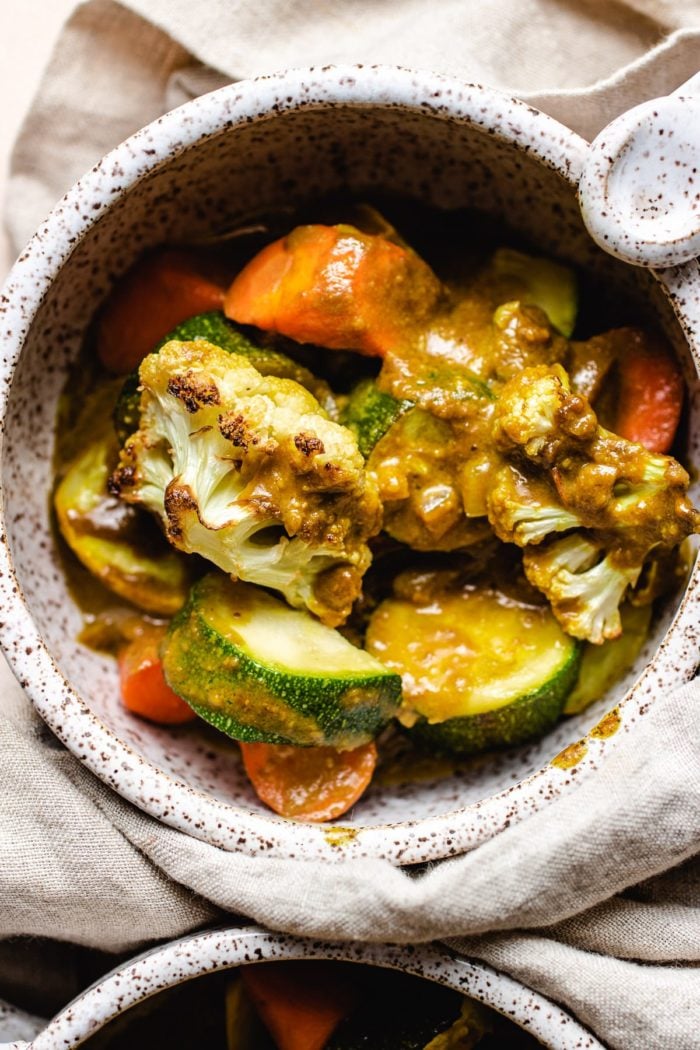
(595, 901)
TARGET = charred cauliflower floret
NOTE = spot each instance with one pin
(584, 585)
(561, 471)
(248, 472)
(525, 509)
(537, 416)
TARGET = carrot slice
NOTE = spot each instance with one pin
(336, 287)
(143, 687)
(159, 292)
(309, 783)
(651, 391)
(300, 1003)
(268, 291)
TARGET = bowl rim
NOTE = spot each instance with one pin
(226, 947)
(221, 823)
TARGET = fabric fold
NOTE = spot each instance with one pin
(628, 1005)
(580, 850)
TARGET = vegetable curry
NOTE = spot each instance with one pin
(350, 485)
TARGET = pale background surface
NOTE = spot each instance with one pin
(27, 31)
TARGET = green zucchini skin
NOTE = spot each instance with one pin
(212, 326)
(250, 699)
(526, 718)
(215, 328)
(369, 413)
(127, 408)
(509, 682)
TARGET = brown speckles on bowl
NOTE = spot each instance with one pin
(220, 159)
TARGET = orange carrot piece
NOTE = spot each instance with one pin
(336, 287)
(264, 292)
(300, 1003)
(651, 391)
(159, 292)
(309, 783)
(143, 687)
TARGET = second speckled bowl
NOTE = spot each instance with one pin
(179, 961)
(238, 152)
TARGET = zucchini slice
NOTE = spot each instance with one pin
(479, 669)
(369, 413)
(543, 282)
(120, 545)
(602, 665)
(258, 670)
(217, 329)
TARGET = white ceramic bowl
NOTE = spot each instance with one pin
(203, 953)
(215, 161)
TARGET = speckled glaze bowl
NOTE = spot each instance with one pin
(215, 162)
(203, 953)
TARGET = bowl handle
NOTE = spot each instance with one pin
(636, 190)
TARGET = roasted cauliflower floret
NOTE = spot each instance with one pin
(538, 417)
(249, 472)
(562, 471)
(524, 509)
(583, 584)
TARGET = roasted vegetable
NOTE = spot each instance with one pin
(566, 472)
(120, 545)
(159, 291)
(521, 337)
(249, 472)
(479, 669)
(603, 665)
(651, 391)
(301, 1002)
(336, 287)
(260, 671)
(588, 364)
(244, 1029)
(635, 382)
(309, 783)
(466, 433)
(214, 328)
(421, 467)
(369, 413)
(143, 687)
(584, 585)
